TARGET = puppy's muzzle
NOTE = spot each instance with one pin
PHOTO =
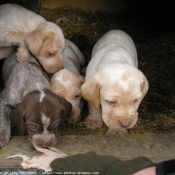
(44, 141)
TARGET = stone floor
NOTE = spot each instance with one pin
(157, 147)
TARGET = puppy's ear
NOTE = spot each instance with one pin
(90, 91)
(66, 109)
(34, 41)
(144, 86)
(57, 88)
(16, 116)
(81, 78)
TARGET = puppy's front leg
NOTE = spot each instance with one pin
(22, 53)
(93, 120)
(5, 127)
(15, 38)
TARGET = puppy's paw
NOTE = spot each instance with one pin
(121, 131)
(93, 122)
(4, 139)
(22, 54)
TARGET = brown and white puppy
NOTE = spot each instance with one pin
(114, 87)
(67, 82)
(28, 31)
(28, 102)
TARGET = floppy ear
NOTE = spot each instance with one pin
(57, 88)
(81, 78)
(34, 41)
(16, 116)
(90, 91)
(144, 86)
(66, 109)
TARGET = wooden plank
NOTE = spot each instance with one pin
(103, 5)
(157, 147)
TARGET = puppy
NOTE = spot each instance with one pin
(67, 82)
(28, 31)
(28, 102)
(114, 87)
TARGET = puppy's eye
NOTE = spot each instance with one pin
(55, 125)
(135, 101)
(111, 103)
(51, 54)
(34, 127)
(77, 96)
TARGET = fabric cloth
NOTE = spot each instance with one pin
(92, 163)
(166, 168)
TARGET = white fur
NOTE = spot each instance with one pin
(113, 82)
(42, 96)
(31, 32)
(46, 122)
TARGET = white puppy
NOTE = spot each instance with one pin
(28, 31)
(67, 82)
(114, 82)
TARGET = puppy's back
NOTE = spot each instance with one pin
(76, 51)
(9, 64)
(16, 15)
(117, 37)
(21, 79)
(73, 59)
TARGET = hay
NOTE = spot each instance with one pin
(154, 38)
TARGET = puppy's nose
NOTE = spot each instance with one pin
(46, 143)
(125, 124)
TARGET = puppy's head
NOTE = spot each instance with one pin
(119, 90)
(47, 44)
(67, 84)
(40, 113)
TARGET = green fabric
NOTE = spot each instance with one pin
(104, 165)
(129, 167)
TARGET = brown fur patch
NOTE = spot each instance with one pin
(76, 79)
(66, 76)
(58, 89)
(124, 77)
(143, 86)
(90, 91)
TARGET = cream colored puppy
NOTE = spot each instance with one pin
(28, 31)
(67, 82)
(113, 87)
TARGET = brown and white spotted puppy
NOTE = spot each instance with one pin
(114, 87)
(67, 82)
(29, 103)
(30, 32)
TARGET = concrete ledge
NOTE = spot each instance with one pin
(157, 147)
(104, 5)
